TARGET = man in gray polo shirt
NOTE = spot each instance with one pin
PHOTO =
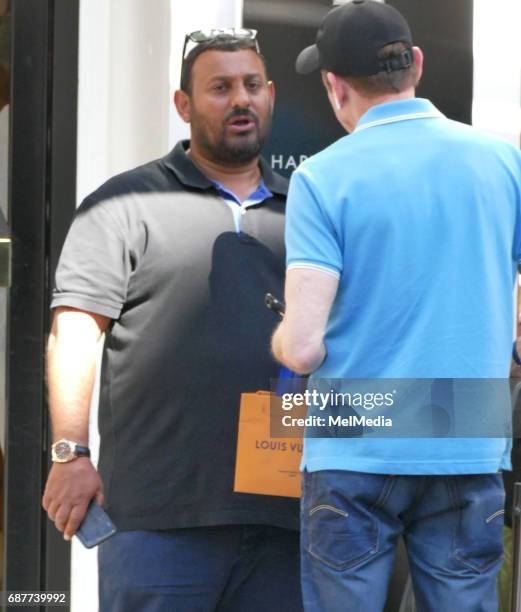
(171, 261)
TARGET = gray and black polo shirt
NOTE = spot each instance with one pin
(156, 250)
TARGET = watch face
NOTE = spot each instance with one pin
(62, 450)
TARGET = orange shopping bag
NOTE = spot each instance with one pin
(266, 465)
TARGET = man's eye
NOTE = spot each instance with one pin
(221, 87)
(254, 85)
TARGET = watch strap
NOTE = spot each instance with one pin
(81, 451)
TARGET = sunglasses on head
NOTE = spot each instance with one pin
(202, 36)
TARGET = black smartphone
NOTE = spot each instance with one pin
(96, 526)
(274, 304)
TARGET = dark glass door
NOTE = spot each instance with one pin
(38, 108)
(5, 241)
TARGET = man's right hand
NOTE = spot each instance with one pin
(70, 487)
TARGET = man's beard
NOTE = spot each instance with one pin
(232, 149)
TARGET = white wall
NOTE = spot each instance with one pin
(124, 91)
(497, 68)
(496, 106)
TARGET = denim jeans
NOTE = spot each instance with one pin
(452, 527)
(233, 568)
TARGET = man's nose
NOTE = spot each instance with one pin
(240, 97)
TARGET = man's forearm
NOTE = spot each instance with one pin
(71, 368)
(298, 342)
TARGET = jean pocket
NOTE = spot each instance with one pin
(341, 530)
(479, 500)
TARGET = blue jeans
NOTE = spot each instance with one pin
(234, 568)
(452, 526)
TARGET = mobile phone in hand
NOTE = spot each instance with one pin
(96, 526)
(274, 304)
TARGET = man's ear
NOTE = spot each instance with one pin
(182, 104)
(336, 89)
(325, 81)
(271, 89)
(418, 60)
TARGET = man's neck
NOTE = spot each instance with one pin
(362, 104)
(240, 179)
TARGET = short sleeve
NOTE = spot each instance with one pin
(94, 266)
(311, 239)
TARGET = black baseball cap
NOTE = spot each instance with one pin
(350, 37)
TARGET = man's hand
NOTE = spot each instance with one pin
(68, 492)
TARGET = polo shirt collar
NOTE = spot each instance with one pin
(184, 168)
(398, 110)
(190, 175)
(273, 181)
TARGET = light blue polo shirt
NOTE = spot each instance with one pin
(419, 217)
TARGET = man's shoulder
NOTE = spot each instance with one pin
(321, 167)
(151, 177)
(484, 146)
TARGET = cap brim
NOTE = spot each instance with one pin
(308, 60)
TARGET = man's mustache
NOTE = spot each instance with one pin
(243, 113)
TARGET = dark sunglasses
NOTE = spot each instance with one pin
(201, 36)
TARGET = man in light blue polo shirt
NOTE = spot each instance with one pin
(402, 243)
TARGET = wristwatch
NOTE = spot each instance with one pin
(64, 451)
